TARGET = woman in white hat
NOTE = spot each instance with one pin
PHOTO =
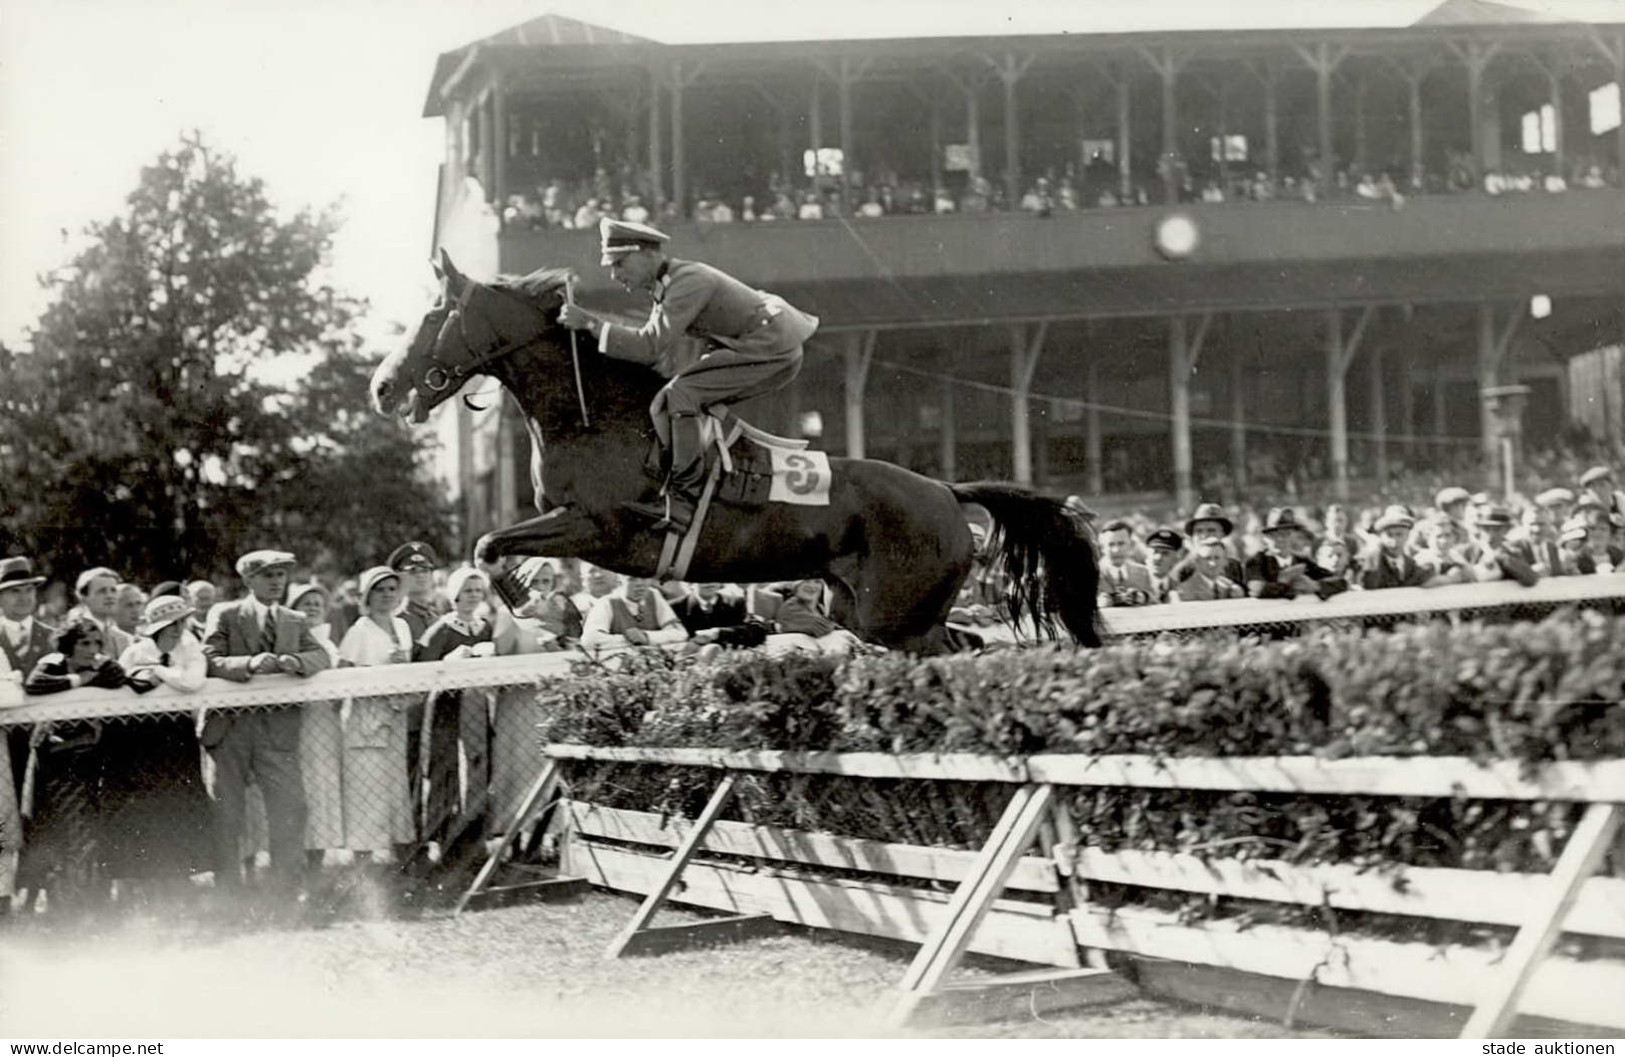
(321, 737)
(155, 815)
(377, 802)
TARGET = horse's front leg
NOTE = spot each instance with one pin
(561, 532)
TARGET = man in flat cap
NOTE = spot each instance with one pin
(254, 636)
(749, 344)
(1599, 481)
(421, 605)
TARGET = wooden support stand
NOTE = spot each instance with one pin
(925, 984)
(661, 939)
(542, 791)
(1495, 1012)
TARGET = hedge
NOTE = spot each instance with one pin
(1531, 692)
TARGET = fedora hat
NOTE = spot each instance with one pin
(1492, 515)
(18, 572)
(1209, 512)
(1283, 518)
(162, 612)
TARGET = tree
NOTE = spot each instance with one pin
(143, 430)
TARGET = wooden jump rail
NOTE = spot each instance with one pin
(1569, 899)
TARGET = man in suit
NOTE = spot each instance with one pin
(1208, 579)
(750, 343)
(711, 616)
(421, 605)
(250, 638)
(1123, 581)
(24, 639)
(1390, 566)
(1167, 549)
(1536, 542)
(1209, 522)
(1286, 569)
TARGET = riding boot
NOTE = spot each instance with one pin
(686, 479)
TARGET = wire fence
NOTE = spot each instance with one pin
(422, 764)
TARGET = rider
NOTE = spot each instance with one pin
(751, 344)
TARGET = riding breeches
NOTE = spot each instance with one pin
(722, 375)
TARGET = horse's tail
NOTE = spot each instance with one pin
(1048, 554)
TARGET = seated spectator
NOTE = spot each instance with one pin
(201, 594)
(1390, 565)
(1559, 502)
(1123, 581)
(599, 583)
(1594, 552)
(1285, 569)
(871, 206)
(1207, 579)
(710, 615)
(636, 616)
(78, 661)
(1166, 548)
(1334, 556)
(943, 201)
(811, 208)
(462, 633)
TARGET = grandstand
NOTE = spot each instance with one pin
(1120, 259)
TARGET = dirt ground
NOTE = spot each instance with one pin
(519, 972)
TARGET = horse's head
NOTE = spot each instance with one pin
(470, 326)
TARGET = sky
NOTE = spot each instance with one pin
(321, 99)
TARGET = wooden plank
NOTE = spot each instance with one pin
(1022, 996)
(964, 767)
(1449, 895)
(663, 939)
(674, 868)
(550, 890)
(949, 865)
(948, 942)
(1583, 992)
(1363, 1013)
(540, 790)
(1498, 1003)
(1027, 932)
(1440, 776)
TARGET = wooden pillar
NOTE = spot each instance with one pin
(657, 162)
(1224, 153)
(1041, 443)
(1439, 417)
(1272, 130)
(488, 149)
(950, 439)
(815, 119)
(1092, 445)
(858, 353)
(1170, 130)
(1619, 80)
(1360, 142)
(973, 126)
(1477, 58)
(1323, 97)
(679, 174)
(1418, 166)
(1336, 405)
(1407, 407)
(936, 147)
(1488, 372)
(1010, 71)
(1025, 350)
(848, 159)
(1125, 166)
(1554, 82)
(1179, 395)
(499, 152)
(1379, 416)
(1238, 418)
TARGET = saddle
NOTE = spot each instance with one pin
(738, 471)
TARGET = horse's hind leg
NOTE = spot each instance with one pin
(902, 602)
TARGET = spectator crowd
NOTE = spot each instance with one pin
(372, 779)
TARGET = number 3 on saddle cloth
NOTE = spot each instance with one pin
(747, 467)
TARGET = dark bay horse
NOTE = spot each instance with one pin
(893, 546)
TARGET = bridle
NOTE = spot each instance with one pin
(440, 376)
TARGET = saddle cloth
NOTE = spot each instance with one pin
(758, 467)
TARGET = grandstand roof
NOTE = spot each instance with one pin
(962, 20)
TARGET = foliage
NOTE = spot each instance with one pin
(140, 433)
(1530, 692)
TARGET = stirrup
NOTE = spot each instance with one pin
(668, 515)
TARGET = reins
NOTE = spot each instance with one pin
(438, 377)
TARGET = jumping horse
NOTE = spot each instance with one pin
(893, 546)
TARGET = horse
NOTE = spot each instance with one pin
(892, 545)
